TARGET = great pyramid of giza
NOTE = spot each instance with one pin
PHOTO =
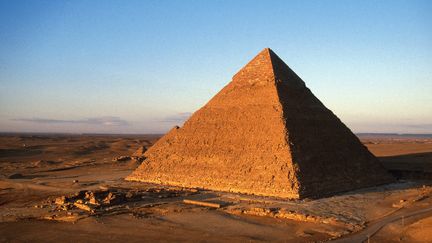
(264, 133)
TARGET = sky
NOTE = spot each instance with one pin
(145, 66)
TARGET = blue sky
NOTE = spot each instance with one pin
(144, 66)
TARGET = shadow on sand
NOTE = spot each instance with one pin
(410, 170)
(416, 166)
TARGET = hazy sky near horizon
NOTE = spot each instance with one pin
(145, 66)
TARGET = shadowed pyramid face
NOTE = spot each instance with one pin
(264, 133)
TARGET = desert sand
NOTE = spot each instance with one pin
(72, 187)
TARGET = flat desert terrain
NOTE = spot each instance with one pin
(71, 188)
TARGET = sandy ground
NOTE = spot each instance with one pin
(98, 205)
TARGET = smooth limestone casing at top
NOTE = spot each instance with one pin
(264, 133)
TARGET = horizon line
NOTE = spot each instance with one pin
(126, 133)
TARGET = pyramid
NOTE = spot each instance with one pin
(264, 133)
(140, 151)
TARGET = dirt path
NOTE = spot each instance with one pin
(371, 230)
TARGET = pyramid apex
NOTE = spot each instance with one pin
(260, 66)
(268, 66)
(266, 51)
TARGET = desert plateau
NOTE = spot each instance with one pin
(71, 188)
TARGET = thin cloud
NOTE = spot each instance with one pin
(104, 121)
(420, 126)
(179, 117)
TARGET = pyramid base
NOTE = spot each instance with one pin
(220, 189)
(325, 193)
(328, 191)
